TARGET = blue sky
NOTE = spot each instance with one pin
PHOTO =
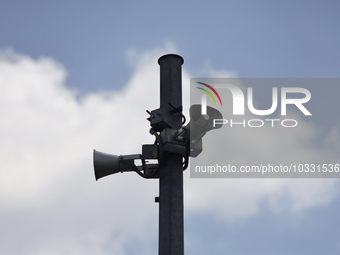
(254, 38)
(70, 71)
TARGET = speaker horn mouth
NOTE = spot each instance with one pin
(201, 124)
(105, 164)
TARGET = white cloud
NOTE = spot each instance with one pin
(50, 202)
(47, 187)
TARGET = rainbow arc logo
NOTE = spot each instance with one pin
(209, 93)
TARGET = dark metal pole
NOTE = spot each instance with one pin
(171, 233)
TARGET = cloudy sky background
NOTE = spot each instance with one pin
(79, 75)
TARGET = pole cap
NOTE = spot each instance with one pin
(170, 55)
